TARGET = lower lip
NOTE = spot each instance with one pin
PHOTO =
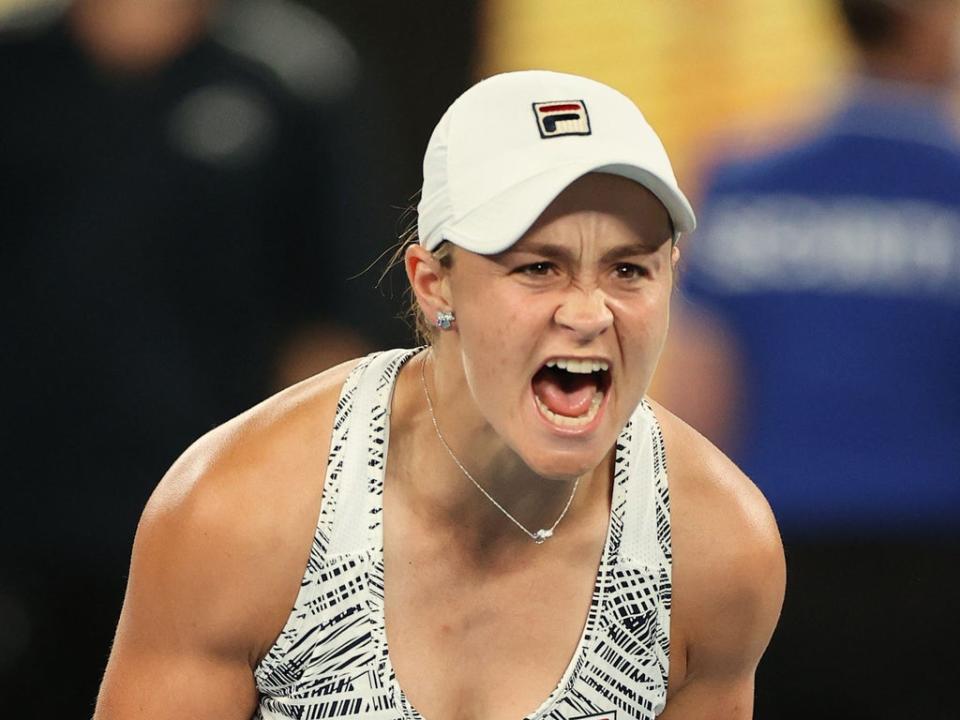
(575, 430)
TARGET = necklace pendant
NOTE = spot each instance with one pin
(541, 535)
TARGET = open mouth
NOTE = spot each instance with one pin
(569, 392)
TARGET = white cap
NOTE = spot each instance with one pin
(510, 144)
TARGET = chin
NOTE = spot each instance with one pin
(564, 464)
(566, 453)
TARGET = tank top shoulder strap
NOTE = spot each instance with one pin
(646, 534)
(351, 510)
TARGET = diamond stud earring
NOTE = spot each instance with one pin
(445, 319)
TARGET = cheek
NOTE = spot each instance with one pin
(498, 315)
(642, 326)
(496, 336)
(486, 326)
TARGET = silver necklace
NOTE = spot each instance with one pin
(540, 535)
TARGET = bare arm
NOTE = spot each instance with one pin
(722, 655)
(729, 579)
(217, 562)
(183, 648)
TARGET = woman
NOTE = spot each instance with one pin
(496, 508)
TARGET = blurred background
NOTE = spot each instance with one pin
(196, 197)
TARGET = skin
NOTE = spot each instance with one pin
(924, 50)
(138, 36)
(209, 592)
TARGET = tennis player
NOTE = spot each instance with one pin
(497, 525)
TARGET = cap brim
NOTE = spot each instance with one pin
(500, 222)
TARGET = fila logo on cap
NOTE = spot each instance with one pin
(556, 118)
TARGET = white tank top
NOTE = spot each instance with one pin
(331, 660)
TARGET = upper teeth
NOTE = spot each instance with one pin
(579, 366)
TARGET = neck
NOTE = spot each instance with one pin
(440, 490)
(915, 62)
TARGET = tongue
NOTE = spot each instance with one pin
(564, 393)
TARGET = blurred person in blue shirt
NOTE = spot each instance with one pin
(822, 298)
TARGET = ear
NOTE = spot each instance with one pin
(675, 256)
(428, 279)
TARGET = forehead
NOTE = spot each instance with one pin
(606, 209)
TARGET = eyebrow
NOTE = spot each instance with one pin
(561, 252)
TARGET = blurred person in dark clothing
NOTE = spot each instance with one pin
(169, 183)
(823, 298)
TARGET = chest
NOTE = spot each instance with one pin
(388, 627)
(491, 641)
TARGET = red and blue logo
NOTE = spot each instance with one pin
(557, 118)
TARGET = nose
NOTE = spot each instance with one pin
(585, 313)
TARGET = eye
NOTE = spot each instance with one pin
(537, 269)
(629, 271)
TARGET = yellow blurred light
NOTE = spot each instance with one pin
(697, 68)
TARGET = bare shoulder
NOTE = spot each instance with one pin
(728, 563)
(217, 560)
(712, 497)
(227, 531)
